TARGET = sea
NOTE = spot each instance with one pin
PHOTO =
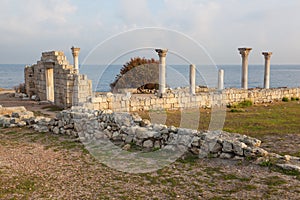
(177, 75)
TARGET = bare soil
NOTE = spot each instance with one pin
(7, 99)
(45, 166)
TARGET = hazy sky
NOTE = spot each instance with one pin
(221, 26)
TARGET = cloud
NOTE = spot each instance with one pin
(34, 18)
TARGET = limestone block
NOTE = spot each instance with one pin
(148, 144)
(227, 147)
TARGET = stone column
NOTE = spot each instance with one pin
(221, 79)
(267, 56)
(75, 53)
(245, 52)
(162, 53)
(192, 79)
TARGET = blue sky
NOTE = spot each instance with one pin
(30, 27)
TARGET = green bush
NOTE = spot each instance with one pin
(245, 103)
(285, 99)
(295, 99)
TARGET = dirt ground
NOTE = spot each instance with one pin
(45, 166)
(7, 99)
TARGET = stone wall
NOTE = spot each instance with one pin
(54, 79)
(181, 98)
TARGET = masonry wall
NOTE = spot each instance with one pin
(177, 99)
(54, 65)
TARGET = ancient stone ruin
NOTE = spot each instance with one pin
(54, 79)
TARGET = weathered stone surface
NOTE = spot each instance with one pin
(238, 148)
(289, 167)
(227, 146)
(56, 130)
(123, 119)
(226, 155)
(148, 144)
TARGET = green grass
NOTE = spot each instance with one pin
(272, 181)
(255, 120)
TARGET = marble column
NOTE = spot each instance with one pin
(75, 53)
(221, 79)
(267, 56)
(192, 79)
(245, 53)
(162, 53)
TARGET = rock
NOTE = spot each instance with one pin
(144, 133)
(148, 144)
(145, 122)
(14, 120)
(99, 135)
(227, 147)
(195, 150)
(238, 148)
(56, 130)
(158, 127)
(287, 157)
(21, 124)
(173, 129)
(252, 142)
(136, 118)
(226, 155)
(157, 144)
(129, 138)
(126, 147)
(260, 152)
(214, 146)
(196, 142)
(15, 115)
(289, 167)
(33, 97)
(123, 119)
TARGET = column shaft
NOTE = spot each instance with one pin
(192, 79)
(162, 75)
(267, 56)
(162, 70)
(244, 53)
(221, 79)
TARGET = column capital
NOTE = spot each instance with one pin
(162, 52)
(244, 51)
(267, 54)
(75, 51)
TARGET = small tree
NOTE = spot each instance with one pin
(138, 71)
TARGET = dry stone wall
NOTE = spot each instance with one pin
(181, 98)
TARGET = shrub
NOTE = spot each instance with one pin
(245, 103)
(138, 71)
(285, 99)
(297, 98)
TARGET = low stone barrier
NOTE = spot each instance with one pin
(181, 98)
(126, 130)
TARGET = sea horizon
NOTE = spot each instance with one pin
(282, 75)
